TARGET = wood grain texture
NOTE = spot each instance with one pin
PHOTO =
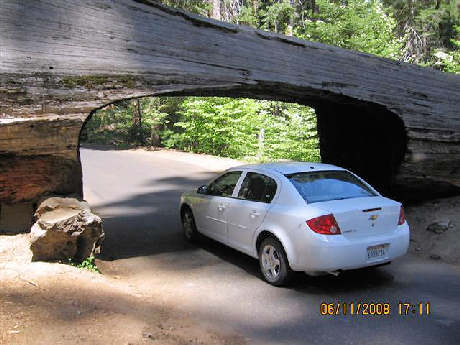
(60, 60)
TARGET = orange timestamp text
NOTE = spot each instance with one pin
(374, 308)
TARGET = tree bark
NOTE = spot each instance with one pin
(155, 139)
(104, 51)
(314, 8)
(438, 4)
(255, 7)
(410, 8)
(214, 11)
(137, 122)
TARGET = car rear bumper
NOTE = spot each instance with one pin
(331, 253)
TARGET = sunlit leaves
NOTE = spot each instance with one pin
(360, 25)
(230, 127)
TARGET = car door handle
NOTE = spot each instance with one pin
(254, 214)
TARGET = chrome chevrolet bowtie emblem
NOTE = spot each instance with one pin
(373, 217)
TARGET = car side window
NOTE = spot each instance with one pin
(225, 184)
(257, 187)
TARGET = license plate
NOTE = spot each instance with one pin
(377, 251)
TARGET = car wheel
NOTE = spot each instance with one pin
(274, 265)
(188, 225)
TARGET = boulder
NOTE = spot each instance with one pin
(65, 228)
(439, 227)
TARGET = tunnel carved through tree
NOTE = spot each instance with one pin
(397, 125)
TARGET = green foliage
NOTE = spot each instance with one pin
(247, 17)
(451, 61)
(360, 25)
(219, 126)
(88, 264)
(428, 31)
(290, 132)
(112, 125)
(195, 6)
(277, 17)
(230, 127)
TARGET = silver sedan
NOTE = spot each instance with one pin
(297, 217)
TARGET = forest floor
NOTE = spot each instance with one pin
(444, 246)
(51, 303)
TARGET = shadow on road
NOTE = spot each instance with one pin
(149, 223)
(353, 280)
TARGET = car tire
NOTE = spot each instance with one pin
(188, 225)
(273, 262)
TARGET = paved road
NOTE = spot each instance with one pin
(137, 195)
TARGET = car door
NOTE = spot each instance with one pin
(211, 213)
(247, 211)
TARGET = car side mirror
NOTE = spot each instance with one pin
(203, 189)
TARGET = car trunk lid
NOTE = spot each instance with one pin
(363, 217)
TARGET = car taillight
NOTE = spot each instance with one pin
(325, 225)
(402, 217)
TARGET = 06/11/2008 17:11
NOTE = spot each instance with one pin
(374, 308)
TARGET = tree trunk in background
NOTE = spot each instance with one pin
(139, 125)
(314, 8)
(214, 11)
(136, 131)
(261, 139)
(410, 8)
(255, 6)
(155, 139)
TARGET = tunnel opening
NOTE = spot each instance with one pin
(241, 128)
(367, 139)
(364, 137)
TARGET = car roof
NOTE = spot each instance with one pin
(289, 167)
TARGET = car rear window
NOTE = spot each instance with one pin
(329, 185)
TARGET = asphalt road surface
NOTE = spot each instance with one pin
(137, 194)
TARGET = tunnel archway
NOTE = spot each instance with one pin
(349, 137)
(363, 137)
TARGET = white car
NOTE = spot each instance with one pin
(297, 216)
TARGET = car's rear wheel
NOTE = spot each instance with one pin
(273, 262)
(188, 225)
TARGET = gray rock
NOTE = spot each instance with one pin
(65, 229)
(440, 226)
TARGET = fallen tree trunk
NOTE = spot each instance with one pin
(61, 60)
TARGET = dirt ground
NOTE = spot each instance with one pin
(51, 303)
(443, 246)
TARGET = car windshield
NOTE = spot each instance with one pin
(329, 185)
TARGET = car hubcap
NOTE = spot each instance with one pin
(188, 225)
(270, 262)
